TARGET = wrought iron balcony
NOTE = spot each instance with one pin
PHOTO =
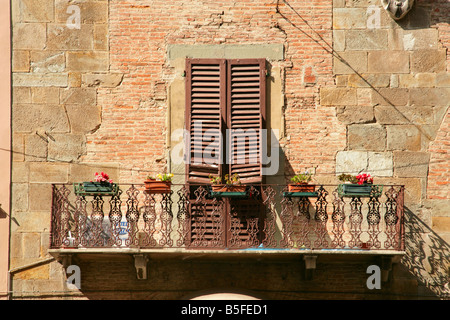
(264, 217)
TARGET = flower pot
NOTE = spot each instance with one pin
(301, 187)
(223, 190)
(359, 190)
(228, 188)
(153, 186)
(93, 188)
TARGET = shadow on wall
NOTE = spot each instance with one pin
(427, 255)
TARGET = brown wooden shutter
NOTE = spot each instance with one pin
(205, 106)
(246, 117)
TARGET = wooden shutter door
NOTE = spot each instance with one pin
(205, 109)
(246, 117)
(246, 108)
(205, 106)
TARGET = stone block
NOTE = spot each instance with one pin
(272, 51)
(19, 197)
(31, 36)
(339, 40)
(88, 61)
(85, 171)
(411, 164)
(19, 172)
(418, 80)
(40, 195)
(390, 97)
(40, 80)
(45, 95)
(349, 18)
(404, 115)
(369, 39)
(429, 96)
(66, 147)
(428, 60)
(105, 80)
(52, 118)
(350, 62)
(369, 80)
(20, 61)
(443, 79)
(403, 137)
(413, 188)
(438, 207)
(44, 172)
(18, 147)
(36, 10)
(36, 273)
(351, 162)
(31, 245)
(21, 95)
(59, 37)
(388, 62)
(441, 224)
(35, 221)
(91, 11)
(101, 37)
(84, 96)
(380, 164)
(83, 119)
(370, 137)
(338, 96)
(400, 39)
(35, 147)
(355, 114)
(74, 79)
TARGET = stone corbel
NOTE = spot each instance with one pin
(310, 266)
(140, 263)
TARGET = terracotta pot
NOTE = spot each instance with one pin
(153, 186)
(301, 187)
(228, 188)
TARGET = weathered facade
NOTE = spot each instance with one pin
(101, 85)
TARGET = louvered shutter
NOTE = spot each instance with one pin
(205, 114)
(246, 117)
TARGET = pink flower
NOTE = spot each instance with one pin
(102, 177)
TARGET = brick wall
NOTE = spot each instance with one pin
(100, 93)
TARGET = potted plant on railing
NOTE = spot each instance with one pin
(161, 184)
(300, 183)
(231, 187)
(101, 185)
(359, 185)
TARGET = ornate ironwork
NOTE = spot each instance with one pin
(267, 217)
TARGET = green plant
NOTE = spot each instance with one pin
(215, 180)
(347, 178)
(165, 176)
(229, 180)
(358, 179)
(302, 178)
(232, 180)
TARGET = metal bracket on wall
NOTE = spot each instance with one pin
(140, 263)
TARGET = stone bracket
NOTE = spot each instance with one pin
(140, 263)
(310, 265)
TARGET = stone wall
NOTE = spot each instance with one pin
(94, 92)
(392, 93)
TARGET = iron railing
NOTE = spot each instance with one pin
(266, 217)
